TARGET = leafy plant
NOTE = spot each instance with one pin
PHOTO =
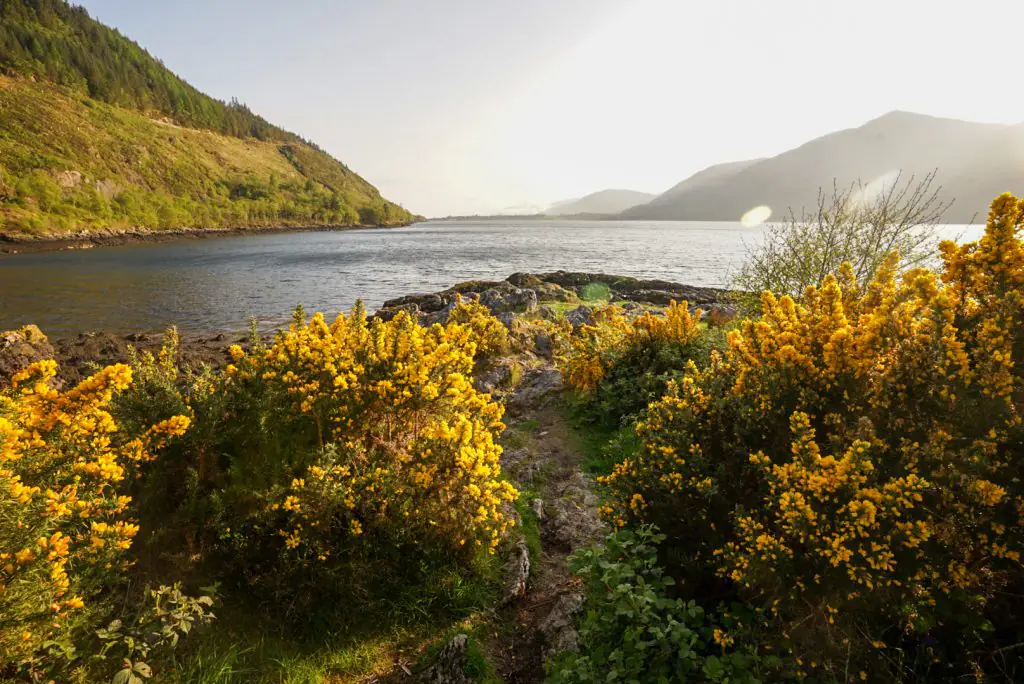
(168, 616)
(635, 631)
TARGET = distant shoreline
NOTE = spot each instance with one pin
(13, 245)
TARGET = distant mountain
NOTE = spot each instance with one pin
(96, 135)
(975, 163)
(601, 202)
(702, 179)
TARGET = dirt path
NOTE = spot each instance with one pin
(542, 457)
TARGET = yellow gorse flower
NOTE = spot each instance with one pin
(851, 458)
(63, 459)
(408, 443)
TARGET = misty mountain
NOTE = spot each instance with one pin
(702, 179)
(601, 202)
(975, 163)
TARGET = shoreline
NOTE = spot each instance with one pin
(13, 245)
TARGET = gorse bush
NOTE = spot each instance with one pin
(65, 518)
(619, 364)
(490, 334)
(852, 464)
(335, 463)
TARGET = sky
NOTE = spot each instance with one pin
(455, 107)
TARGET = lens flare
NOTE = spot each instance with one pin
(756, 216)
(866, 194)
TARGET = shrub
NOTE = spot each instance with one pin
(853, 461)
(490, 334)
(65, 522)
(859, 225)
(350, 456)
(618, 365)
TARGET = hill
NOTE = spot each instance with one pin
(601, 202)
(975, 162)
(97, 135)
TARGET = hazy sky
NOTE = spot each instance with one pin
(466, 106)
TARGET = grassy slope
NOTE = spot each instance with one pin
(174, 177)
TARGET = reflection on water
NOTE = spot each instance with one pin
(218, 283)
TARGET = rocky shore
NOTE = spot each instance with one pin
(21, 244)
(549, 295)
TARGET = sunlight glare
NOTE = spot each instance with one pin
(756, 216)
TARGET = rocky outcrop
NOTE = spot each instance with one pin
(20, 348)
(448, 668)
(524, 292)
(559, 627)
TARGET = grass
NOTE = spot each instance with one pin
(602, 447)
(244, 646)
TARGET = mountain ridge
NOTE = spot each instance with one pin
(974, 162)
(609, 201)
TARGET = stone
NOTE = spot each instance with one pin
(537, 506)
(573, 521)
(559, 627)
(543, 345)
(517, 573)
(579, 316)
(509, 299)
(448, 668)
(536, 387)
(68, 179)
(21, 348)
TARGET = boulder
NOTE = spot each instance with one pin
(579, 316)
(20, 348)
(510, 299)
(68, 179)
(543, 345)
(448, 668)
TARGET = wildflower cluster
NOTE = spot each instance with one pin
(853, 461)
(65, 522)
(490, 334)
(403, 447)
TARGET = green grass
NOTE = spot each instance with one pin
(602, 447)
(246, 646)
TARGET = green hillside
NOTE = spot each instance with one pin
(96, 134)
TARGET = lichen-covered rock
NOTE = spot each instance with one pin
(579, 316)
(517, 573)
(448, 668)
(19, 348)
(509, 299)
(573, 521)
(559, 627)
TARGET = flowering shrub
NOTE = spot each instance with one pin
(491, 336)
(853, 462)
(619, 364)
(64, 518)
(382, 442)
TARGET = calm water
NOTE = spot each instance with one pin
(218, 283)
